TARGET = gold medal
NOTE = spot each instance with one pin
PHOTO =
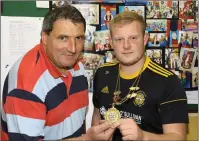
(112, 115)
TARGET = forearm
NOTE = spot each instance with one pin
(167, 136)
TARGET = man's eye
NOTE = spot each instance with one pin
(79, 38)
(119, 39)
(133, 38)
(63, 38)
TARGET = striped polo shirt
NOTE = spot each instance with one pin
(39, 103)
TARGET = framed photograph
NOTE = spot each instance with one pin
(102, 40)
(173, 38)
(155, 55)
(195, 77)
(187, 58)
(157, 40)
(109, 57)
(162, 10)
(186, 9)
(90, 76)
(185, 78)
(107, 13)
(195, 40)
(90, 12)
(89, 38)
(59, 3)
(190, 25)
(112, 1)
(156, 25)
(185, 39)
(91, 61)
(138, 9)
(172, 60)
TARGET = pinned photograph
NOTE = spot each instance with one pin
(162, 9)
(195, 40)
(195, 77)
(89, 38)
(60, 3)
(109, 57)
(174, 36)
(90, 12)
(186, 9)
(91, 61)
(155, 55)
(107, 14)
(157, 40)
(185, 39)
(190, 25)
(185, 78)
(102, 40)
(137, 9)
(172, 60)
(90, 77)
(156, 25)
(187, 58)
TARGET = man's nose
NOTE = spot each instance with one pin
(72, 46)
(126, 44)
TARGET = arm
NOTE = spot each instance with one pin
(96, 117)
(171, 132)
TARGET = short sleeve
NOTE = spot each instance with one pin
(173, 103)
(95, 94)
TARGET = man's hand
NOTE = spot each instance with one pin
(103, 131)
(129, 129)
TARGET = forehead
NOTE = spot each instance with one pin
(67, 26)
(128, 28)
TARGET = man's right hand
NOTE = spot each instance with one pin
(102, 131)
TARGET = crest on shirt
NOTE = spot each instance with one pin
(105, 90)
(139, 99)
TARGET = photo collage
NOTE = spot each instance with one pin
(172, 28)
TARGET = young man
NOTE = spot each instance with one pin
(147, 101)
(45, 95)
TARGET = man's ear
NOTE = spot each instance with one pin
(44, 38)
(146, 36)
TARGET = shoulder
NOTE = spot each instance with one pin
(107, 68)
(158, 70)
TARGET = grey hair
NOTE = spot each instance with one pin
(64, 12)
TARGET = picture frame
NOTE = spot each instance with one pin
(157, 40)
(138, 9)
(156, 25)
(155, 55)
(162, 9)
(108, 12)
(172, 60)
(187, 58)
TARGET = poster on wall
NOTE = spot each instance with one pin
(90, 12)
(108, 12)
(162, 10)
(137, 9)
(89, 38)
(187, 58)
(155, 55)
(172, 60)
(102, 40)
(157, 40)
(156, 25)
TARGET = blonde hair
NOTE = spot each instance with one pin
(127, 18)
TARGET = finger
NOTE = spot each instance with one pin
(129, 137)
(102, 121)
(127, 132)
(125, 126)
(102, 127)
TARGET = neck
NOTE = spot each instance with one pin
(129, 70)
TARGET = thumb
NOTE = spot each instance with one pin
(103, 126)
